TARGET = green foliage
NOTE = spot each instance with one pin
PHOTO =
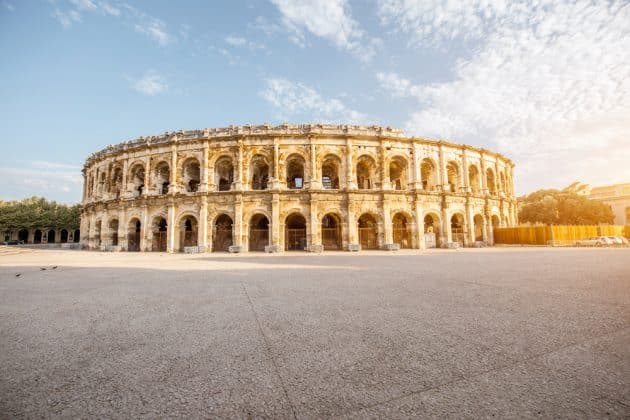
(37, 212)
(562, 207)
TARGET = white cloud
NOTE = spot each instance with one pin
(236, 41)
(328, 19)
(549, 85)
(296, 99)
(8, 6)
(52, 180)
(66, 18)
(151, 83)
(154, 29)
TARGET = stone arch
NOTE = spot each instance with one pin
(453, 176)
(222, 233)
(77, 236)
(491, 181)
(134, 229)
(401, 229)
(112, 227)
(189, 228)
(474, 179)
(295, 171)
(428, 174)
(98, 232)
(398, 168)
(116, 181)
(63, 236)
(191, 174)
(259, 168)
(23, 236)
(457, 228)
(162, 176)
(478, 223)
(258, 232)
(51, 236)
(366, 172)
(295, 232)
(502, 183)
(368, 231)
(159, 233)
(332, 235)
(224, 173)
(37, 236)
(331, 168)
(432, 231)
(136, 178)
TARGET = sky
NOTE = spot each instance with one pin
(546, 83)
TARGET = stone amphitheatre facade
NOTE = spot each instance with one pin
(293, 187)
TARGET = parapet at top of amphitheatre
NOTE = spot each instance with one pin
(266, 130)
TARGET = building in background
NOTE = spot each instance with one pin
(617, 196)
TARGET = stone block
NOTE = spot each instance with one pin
(194, 249)
(354, 247)
(235, 249)
(272, 249)
(315, 248)
(391, 247)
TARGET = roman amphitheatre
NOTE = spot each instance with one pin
(311, 187)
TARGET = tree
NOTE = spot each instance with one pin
(563, 208)
(37, 212)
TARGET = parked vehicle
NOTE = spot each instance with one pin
(12, 242)
(620, 240)
(594, 241)
(615, 240)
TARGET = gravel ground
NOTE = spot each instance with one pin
(503, 332)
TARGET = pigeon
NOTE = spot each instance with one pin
(55, 267)
(18, 274)
(42, 268)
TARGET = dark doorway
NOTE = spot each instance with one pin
(258, 232)
(222, 235)
(295, 233)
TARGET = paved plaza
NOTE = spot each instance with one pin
(503, 332)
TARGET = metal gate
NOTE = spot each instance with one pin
(133, 241)
(222, 239)
(159, 241)
(190, 238)
(331, 238)
(402, 236)
(368, 238)
(457, 235)
(295, 239)
(430, 240)
(258, 239)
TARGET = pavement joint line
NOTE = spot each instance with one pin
(269, 353)
(461, 378)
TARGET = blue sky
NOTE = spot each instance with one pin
(547, 83)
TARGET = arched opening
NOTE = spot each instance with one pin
(295, 172)
(222, 234)
(97, 234)
(331, 232)
(191, 175)
(330, 173)
(454, 180)
(133, 235)
(368, 232)
(502, 181)
(473, 178)
(137, 179)
(431, 231)
(63, 236)
(113, 231)
(188, 232)
(295, 233)
(260, 173)
(490, 182)
(162, 177)
(77, 236)
(37, 237)
(23, 236)
(116, 181)
(401, 229)
(160, 234)
(478, 222)
(51, 236)
(365, 173)
(101, 183)
(457, 228)
(224, 173)
(398, 173)
(258, 232)
(428, 174)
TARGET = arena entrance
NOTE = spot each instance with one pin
(258, 232)
(431, 231)
(133, 237)
(331, 233)
(295, 233)
(401, 230)
(23, 236)
(478, 220)
(189, 235)
(222, 234)
(159, 235)
(368, 232)
(457, 228)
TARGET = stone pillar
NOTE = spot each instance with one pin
(385, 181)
(147, 176)
(417, 165)
(465, 174)
(204, 168)
(351, 182)
(315, 241)
(145, 229)
(470, 222)
(444, 181)
(171, 228)
(446, 225)
(497, 178)
(203, 224)
(173, 187)
(419, 225)
(388, 234)
(484, 179)
(238, 182)
(315, 180)
(275, 183)
(122, 230)
(275, 221)
(238, 220)
(125, 175)
(353, 233)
